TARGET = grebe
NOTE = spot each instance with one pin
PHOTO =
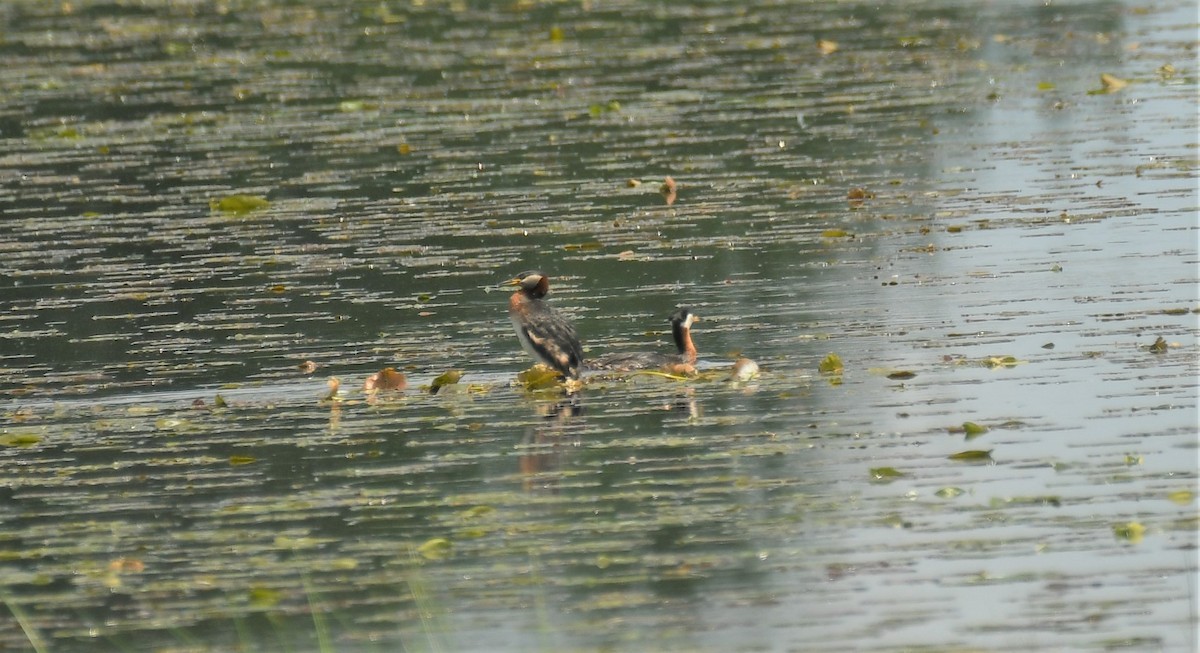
(544, 332)
(683, 362)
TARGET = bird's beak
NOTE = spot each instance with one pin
(516, 281)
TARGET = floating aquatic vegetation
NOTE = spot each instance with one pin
(831, 364)
(1000, 361)
(385, 380)
(538, 377)
(975, 455)
(1110, 83)
(449, 377)
(239, 204)
(669, 190)
(437, 548)
(970, 429)
(19, 439)
(1132, 532)
(886, 473)
(836, 233)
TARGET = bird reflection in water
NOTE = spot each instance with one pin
(543, 446)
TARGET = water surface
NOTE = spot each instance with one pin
(937, 188)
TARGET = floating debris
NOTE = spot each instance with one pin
(669, 190)
(386, 379)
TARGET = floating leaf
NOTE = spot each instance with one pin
(949, 492)
(901, 375)
(538, 377)
(556, 34)
(239, 204)
(825, 46)
(1159, 346)
(1132, 531)
(242, 460)
(477, 511)
(836, 233)
(973, 430)
(332, 385)
(885, 473)
(262, 597)
(444, 379)
(831, 364)
(220, 402)
(973, 454)
(1181, 497)
(1133, 459)
(1001, 361)
(1046, 86)
(856, 197)
(127, 566)
(386, 379)
(19, 439)
(437, 548)
(669, 190)
(1112, 83)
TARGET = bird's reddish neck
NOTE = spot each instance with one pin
(683, 340)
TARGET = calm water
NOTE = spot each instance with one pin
(943, 189)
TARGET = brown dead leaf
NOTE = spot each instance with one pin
(668, 190)
(386, 379)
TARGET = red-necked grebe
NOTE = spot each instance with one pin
(683, 362)
(544, 332)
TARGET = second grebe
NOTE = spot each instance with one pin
(682, 362)
(544, 333)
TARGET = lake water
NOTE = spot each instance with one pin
(947, 196)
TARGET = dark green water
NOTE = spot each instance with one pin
(415, 155)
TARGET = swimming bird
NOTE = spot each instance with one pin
(545, 333)
(683, 362)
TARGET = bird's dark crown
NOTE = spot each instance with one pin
(533, 282)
